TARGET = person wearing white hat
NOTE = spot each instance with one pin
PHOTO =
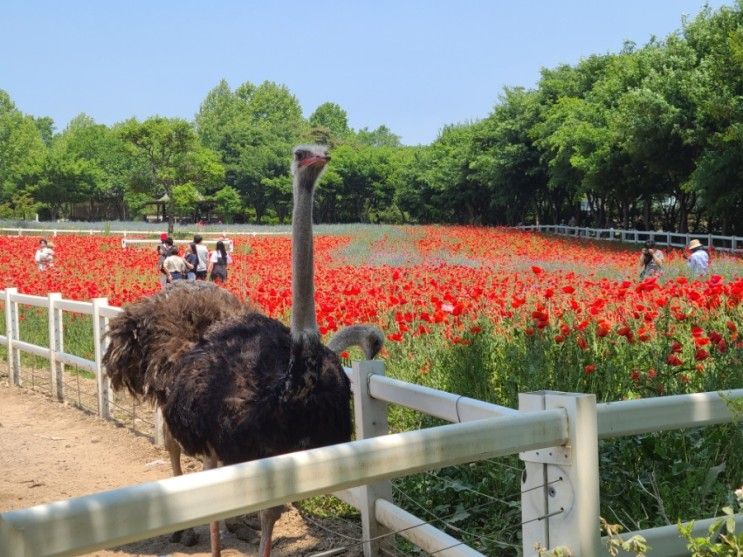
(698, 261)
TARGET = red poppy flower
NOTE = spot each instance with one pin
(674, 360)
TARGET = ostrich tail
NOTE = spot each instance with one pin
(147, 340)
(367, 337)
(123, 358)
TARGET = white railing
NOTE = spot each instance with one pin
(556, 435)
(126, 242)
(135, 233)
(732, 244)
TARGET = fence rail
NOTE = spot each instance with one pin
(733, 244)
(136, 233)
(556, 435)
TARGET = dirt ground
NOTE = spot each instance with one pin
(50, 451)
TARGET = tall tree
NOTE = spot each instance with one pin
(380, 137)
(329, 124)
(171, 156)
(22, 149)
(506, 161)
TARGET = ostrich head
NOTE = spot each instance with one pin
(308, 162)
(367, 337)
(307, 165)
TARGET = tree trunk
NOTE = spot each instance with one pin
(625, 214)
(683, 214)
(647, 203)
(171, 219)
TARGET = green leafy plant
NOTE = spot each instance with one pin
(614, 542)
(721, 538)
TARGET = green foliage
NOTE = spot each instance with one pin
(228, 203)
(167, 154)
(21, 206)
(614, 542)
(185, 198)
(330, 124)
(22, 149)
(380, 137)
(721, 537)
(648, 135)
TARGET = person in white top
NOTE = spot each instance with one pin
(218, 262)
(175, 266)
(203, 253)
(44, 255)
(698, 261)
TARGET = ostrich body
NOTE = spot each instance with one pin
(253, 388)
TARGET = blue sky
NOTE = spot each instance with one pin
(413, 65)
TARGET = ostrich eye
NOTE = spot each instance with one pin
(300, 155)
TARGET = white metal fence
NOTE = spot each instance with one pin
(132, 233)
(674, 239)
(556, 435)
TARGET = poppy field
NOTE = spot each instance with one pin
(489, 313)
(574, 310)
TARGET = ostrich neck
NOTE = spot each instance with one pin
(303, 286)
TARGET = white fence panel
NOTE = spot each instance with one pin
(116, 517)
(732, 244)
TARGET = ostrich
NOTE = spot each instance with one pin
(199, 335)
(149, 337)
(253, 388)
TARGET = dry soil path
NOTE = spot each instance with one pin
(50, 451)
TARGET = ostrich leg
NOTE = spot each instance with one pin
(174, 450)
(268, 519)
(210, 463)
(187, 536)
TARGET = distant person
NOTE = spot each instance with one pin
(228, 244)
(203, 253)
(698, 261)
(572, 221)
(651, 260)
(192, 259)
(175, 266)
(218, 262)
(164, 248)
(44, 255)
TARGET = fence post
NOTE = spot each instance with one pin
(560, 485)
(55, 329)
(12, 334)
(370, 419)
(100, 341)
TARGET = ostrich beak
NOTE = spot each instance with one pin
(316, 161)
